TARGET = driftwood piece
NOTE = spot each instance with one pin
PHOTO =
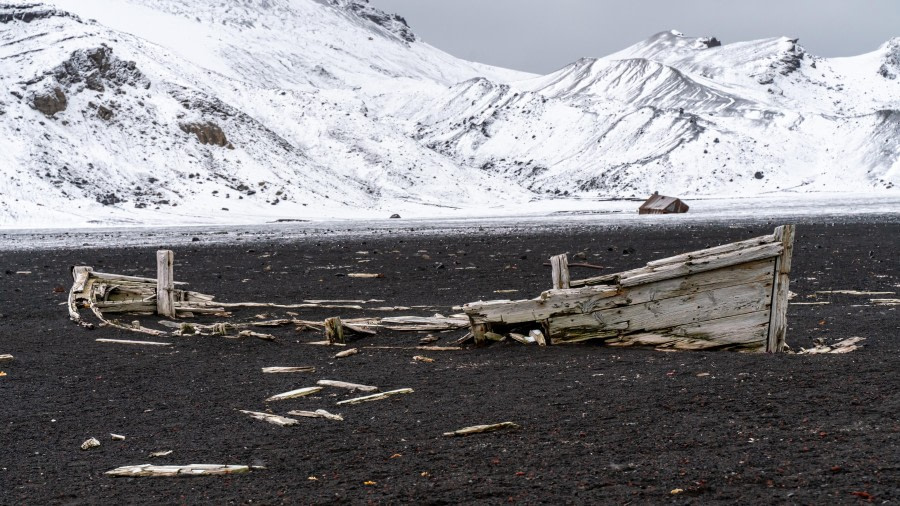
(885, 302)
(364, 275)
(521, 338)
(170, 471)
(164, 453)
(165, 287)
(420, 358)
(319, 413)
(376, 397)
(273, 419)
(117, 437)
(478, 429)
(277, 370)
(5, 357)
(463, 339)
(90, 443)
(415, 323)
(258, 335)
(346, 353)
(125, 341)
(293, 394)
(560, 272)
(852, 292)
(348, 386)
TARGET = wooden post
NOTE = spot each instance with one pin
(780, 290)
(334, 330)
(165, 283)
(560, 266)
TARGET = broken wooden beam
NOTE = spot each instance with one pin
(376, 397)
(170, 471)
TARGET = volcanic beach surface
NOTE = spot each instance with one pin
(598, 424)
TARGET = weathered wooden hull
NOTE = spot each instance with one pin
(728, 297)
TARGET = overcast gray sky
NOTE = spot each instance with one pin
(543, 35)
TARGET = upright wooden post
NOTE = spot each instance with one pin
(165, 283)
(334, 330)
(780, 290)
(560, 266)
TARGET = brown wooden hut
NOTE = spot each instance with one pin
(660, 204)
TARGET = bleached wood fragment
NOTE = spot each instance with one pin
(493, 336)
(348, 386)
(346, 353)
(293, 394)
(364, 275)
(163, 453)
(277, 370)
(519, 338)
(853, 292)
(478, 429)
(845, 346)
(717, 250)
(538, 337)
(273, 419)
(117, 437)
(420, 358)
(258, 335)
(126, 341)
(376, 397)
(885, 302)
(784, 235)
(334, 330)
(463, 339)
(90, 443)
(414, 323)
(170, 471)
(5, 357)
(319, 413)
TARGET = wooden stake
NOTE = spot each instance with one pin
(778, 317)
(560, 264)
(334, 330)
(165, 283)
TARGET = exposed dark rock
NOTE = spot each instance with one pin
(391, 22)
(109, 199)
(98, 68)
(710, 42)
(49, 101)
(104, 113)
(890, 67)
(759, 175)
(395, 216)
(207, 133)
(29, 12)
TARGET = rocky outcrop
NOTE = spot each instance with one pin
(99, 68)
(207, 133)
(890, 66)
(49, 101)
(27, 13)
(391, 22)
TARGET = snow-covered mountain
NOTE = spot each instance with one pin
(170, 111)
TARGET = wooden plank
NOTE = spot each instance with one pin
(744, 332)
(125, 341)
(560, 265)
(717, 250)
(479, 429)
(555, 303)
(319, 413)
(348, 386)
(780, 290)
(279, 370)
(5, 357)
(662, 314)
(376, 397)
(171, 471)
(282, 421)
(165, 277)
(702, 265)
(105, 276)
(293, 394)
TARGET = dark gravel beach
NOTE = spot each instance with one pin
(598, 424)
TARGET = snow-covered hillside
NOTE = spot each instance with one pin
(170, 112)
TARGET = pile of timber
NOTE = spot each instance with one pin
(733, 296)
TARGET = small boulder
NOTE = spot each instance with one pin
(395, 216)
(50, 101)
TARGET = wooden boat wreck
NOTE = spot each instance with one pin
(732, 297)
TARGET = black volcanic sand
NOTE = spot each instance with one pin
(599, 424)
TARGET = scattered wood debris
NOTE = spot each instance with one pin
(420, 358)
(376, 397)
(319, 413)
(163, 453)
(169, 471)
(300, 392)
(90, 443)
(348, 386)
(278, 370)
(845, 346)
(477, 429)
(273, 419)
(126, 341)
(346, 353)
(116, 437)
